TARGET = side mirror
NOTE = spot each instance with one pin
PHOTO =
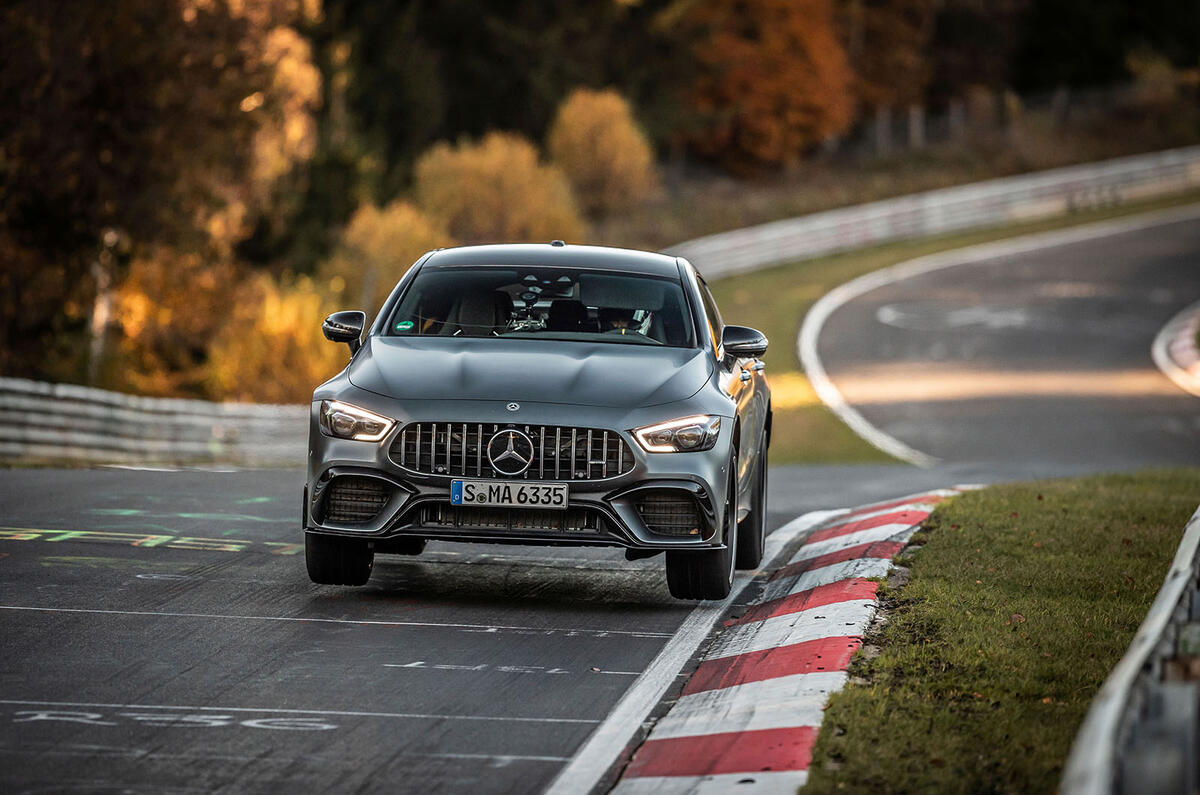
(345, 327)
(741, 342)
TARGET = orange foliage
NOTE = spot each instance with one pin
(376, 249)
(270, 349)
(167, 310)
(496, 191)
(889, 47)
(773, 79)
(597, 142)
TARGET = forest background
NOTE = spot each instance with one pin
(188, 186)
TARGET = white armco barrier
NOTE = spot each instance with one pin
(995, 202)
(64, 422)
(57, 422)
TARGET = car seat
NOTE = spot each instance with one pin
(478, 314)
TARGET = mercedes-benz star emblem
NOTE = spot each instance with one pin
(514, 406)
(510, 451)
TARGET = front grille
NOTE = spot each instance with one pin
(459, 449)
(355, 500)
(466, 517)
(670, 513)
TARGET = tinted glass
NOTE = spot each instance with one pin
(544, 303)
(716, 325)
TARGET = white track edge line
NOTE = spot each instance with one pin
(810, 329)
(604, 747)
(1162, 357)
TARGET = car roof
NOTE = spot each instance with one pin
(558, 254)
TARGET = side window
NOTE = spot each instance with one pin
(715, 324)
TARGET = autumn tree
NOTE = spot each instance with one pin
(602, 150)
(772, 79)
(127, 125)
(271, 349)
(496, 190)
(887, 43)
(376, 248)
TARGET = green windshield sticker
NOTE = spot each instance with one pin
(404, 325)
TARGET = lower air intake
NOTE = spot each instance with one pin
(355, 500)
(670, 513)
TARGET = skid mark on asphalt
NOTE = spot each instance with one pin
(476, 628)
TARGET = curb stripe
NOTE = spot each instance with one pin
(747, 718)
(879, 549)
(796, 700)
(932, 498)
(837, 619)
(733, 752)
(783, 782)
(822, 654)
(841, 591)
(887, 532)
(862, 568)
(905, 518)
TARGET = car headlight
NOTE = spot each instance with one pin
(351, 422)
(684, 435)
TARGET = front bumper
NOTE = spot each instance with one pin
(609, 511)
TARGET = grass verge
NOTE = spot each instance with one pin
(775, 301)
(1020, 602)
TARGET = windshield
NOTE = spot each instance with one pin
(544, 303)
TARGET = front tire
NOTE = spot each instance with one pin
(752, 531)
(708, 574)
(337, 561)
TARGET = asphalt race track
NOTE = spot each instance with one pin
(160, 635)
(1039, 360)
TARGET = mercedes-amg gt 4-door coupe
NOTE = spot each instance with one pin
(543, 394)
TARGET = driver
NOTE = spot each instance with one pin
(614, 320)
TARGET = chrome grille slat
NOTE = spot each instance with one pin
(587, 456)
(591, 453)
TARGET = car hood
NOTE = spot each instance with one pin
(544, 371)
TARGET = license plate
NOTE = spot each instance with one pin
(508, 494)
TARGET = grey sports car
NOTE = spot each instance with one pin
(543, 394)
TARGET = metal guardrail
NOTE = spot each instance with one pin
(55, 422)
(1140, 734)
(64, 422)
(995, 202)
